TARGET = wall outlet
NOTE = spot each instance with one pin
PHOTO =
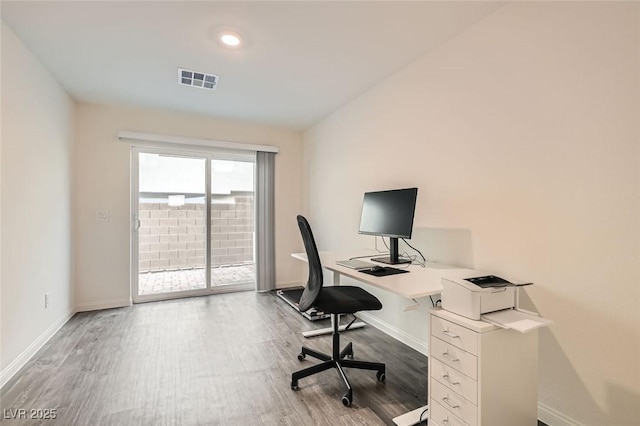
(102, 216)
(46, 300)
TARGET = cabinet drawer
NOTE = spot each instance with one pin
(452, 403)
(454, 357)
(454, 380)
(441, 416)
(455, 334)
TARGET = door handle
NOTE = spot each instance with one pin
(448, 379)
(450, 334)
(450, 357)
(136, 223)
(449, 403)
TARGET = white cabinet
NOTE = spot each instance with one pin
(480, 374)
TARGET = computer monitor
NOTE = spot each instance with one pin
(389, 214)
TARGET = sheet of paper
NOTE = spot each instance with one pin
(516, 320)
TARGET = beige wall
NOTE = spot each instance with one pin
(522, 135)
(37, 135)
(103, 181)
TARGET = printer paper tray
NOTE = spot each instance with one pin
(515, 320)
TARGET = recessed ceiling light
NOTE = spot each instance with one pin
(231, 39)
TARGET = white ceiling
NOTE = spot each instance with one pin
(300, 60)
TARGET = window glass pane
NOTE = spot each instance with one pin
(232, 222)
(171, 250)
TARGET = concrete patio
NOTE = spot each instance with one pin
(194, 279)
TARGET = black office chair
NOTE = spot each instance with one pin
(335, 301)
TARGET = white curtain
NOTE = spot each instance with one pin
(265, 232)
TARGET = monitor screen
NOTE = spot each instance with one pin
(389, 213)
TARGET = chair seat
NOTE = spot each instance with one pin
(346, 300)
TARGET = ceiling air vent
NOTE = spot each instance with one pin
(197, 79)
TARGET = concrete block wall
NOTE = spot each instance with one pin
(173, 238)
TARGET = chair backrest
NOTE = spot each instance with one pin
(314, 283)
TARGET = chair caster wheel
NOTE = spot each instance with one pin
(350, 355)
(381, 376)
(294, 386)
(301, 356)
(346, 400)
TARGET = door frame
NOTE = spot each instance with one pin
(207, 154)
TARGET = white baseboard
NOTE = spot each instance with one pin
(395, 332)
(552, 417)
(104, 304)
(22, 359)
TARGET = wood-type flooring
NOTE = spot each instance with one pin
(225, 359)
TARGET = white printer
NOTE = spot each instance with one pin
(474, 293)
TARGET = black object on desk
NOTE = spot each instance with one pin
(383, 271)
(489, 281)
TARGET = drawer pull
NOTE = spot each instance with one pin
(449, 403)
(448, 379)
(450, 334)
(450, 357)
(445, 422)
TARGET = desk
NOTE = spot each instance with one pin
(419, 282)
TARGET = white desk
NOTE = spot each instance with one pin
(420, 282)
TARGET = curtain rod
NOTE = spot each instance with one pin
(152, 137)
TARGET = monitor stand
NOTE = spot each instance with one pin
(390, 261)
(393, 258)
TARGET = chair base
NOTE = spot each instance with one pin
(337, 361)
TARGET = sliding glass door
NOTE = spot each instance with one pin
(193, 223)
(232, 223)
